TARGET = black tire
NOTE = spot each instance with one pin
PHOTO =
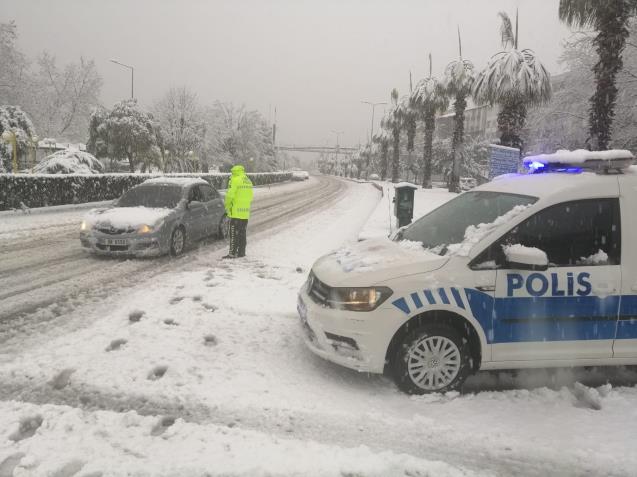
(178, 241)
(222, 230)
(419, 369)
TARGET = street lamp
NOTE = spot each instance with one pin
(338, 133)
(132, 76)
(34, 143)
(373, 105)
(9, 137)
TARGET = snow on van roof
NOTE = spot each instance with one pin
(180, 181)
(580, 157)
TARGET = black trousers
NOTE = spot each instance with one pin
(238, 237)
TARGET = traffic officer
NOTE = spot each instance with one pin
(237, 202)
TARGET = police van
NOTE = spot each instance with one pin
(529, 270)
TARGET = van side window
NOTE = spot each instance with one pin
(578, 233)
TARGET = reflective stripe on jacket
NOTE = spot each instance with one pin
(239, 194)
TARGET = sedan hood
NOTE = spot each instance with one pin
(372, 262)
(126, 217)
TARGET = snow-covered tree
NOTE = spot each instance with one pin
(514, 79)
(128, 132)
(393, 122)
(610, 18)
(63, 98)
(428, 98)
(14, 78)
(183, 128)
(458, 82)
(15, 121)
(382, 139)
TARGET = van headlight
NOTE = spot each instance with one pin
(358, 298)
(84, 226)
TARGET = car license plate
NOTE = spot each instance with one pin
(114, 242)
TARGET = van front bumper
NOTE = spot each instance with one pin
(343, 337)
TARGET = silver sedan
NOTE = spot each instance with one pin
(159, 216)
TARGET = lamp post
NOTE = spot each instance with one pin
(373, 105)
(132, 76)
(34, 143)
(9, 137)
(338, 133)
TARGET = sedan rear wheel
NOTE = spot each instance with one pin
(178, 241)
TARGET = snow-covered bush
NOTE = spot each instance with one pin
(69, 161)
(14, 120)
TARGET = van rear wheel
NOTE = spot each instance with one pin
(431, 358)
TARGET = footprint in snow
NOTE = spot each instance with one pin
(210, 340)
(62, 379)
(176, 300)
(116, 344)
(157, 372)
(135, 315)
(163, 424)
(209, 307)
(69, 469)
(196, 298)
(8, 465)
(27, 428)
(171, 322)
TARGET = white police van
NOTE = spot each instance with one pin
(529, 270)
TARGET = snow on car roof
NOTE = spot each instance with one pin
(180, 181)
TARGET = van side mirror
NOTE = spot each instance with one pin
(520, 257)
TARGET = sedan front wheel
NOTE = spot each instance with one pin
(178, 241)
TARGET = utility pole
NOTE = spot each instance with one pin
(132, 77)
(373, 105)
(338, 133)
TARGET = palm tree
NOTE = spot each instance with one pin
(382, 139)
(393, 122)
(428, 98)
(458, 81)
(513, 79)
(610, 18)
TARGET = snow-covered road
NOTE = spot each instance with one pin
(200, 369)
(44, 271)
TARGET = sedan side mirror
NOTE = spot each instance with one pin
(520, 257)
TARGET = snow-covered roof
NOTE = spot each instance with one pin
(542, 185)
(405, 184)
(180, 181)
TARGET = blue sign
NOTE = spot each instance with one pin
(503, 160)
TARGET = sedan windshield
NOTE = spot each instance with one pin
(447, 224)
(155, 196)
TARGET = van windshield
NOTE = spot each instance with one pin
(447, 224)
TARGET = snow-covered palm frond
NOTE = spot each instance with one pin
(513, 74)
(381, 137)
(429, 94)
(459, 77)
(506, 30)
(580, 12)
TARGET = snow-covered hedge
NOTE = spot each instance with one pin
(39, 190)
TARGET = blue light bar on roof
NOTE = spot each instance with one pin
(576, 161)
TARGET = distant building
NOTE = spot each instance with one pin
(479, 121)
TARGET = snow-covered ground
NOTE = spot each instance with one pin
(203, 372)
(383, 222)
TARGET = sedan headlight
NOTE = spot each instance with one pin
(358, 299)
(84, 226)
(145, 229)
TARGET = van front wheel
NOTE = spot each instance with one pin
(431, 358)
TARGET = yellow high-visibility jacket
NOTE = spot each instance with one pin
(239, 194)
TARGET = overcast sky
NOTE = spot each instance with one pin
(315, 60)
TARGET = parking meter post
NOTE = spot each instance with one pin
(404, 203)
